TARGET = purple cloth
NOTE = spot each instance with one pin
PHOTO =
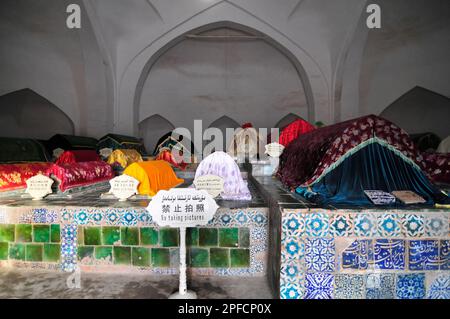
(223, 165)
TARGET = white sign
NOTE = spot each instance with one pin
(213, 184)
(105, 152)
(39, 186)
(182, 207)
(123, 187)
(274, 149)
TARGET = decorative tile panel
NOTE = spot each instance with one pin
(319, 286)
(389, 254)
(317, 225)
(359, 255)
(424, 255)
(349, 286)
(320, 255)
(411, 286)
(440, 287)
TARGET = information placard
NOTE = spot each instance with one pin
(274, 149)
(123, 187)
(39, 186)
(213, 184)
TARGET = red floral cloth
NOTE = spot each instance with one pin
(294, 130)
(306, 159)
(14, 176)
(76, 156)
(80, 174)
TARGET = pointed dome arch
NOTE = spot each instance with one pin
(152, 128)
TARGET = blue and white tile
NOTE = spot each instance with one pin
(440, 287)
(81, 216)
(317, 224)
(341, 225)
(349, 286)
(424, 255)
(389, 225)
(292, 248)
(380, 286)
(358, 255)
(389, 254)
(319, 286)
(413, 225)
(293, 224)
(291, 291)
(320, 254)
(436, 225)
(410, 286)
(444, 254)
(365, 225)
(292, 272)
(68, 247)
(128, 217)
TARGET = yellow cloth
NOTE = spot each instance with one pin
(124, 157)
(153, 176)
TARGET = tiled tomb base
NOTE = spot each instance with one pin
(234, 243)
(347, 254)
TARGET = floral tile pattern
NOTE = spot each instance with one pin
(358, 255)
(388, 225)
(292, 291)
(319, 286)
(411, 286)
(341, 225)
(424, 255)
(365, 225)
(293, 224)
(319, 254)
(440, 288)
(349, 286)
(292, 248)
(436, 225)
(316, 225)
(68, 247)
(380, 286)
(413, 225)
(389, 254)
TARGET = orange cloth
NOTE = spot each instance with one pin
(153, 176)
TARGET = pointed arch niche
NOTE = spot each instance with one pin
(152, 128)
(223, 68)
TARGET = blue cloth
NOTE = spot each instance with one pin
(374, 167)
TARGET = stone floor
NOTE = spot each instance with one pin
(19, 283)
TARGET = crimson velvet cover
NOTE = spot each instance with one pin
(80, 174)
(312, 154)
(76, 156)
(14, 176)
(294, 130)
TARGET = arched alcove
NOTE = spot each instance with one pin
(222, 123)
(152, 128)
(223, 67)
(25, 113)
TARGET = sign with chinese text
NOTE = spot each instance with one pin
(39, 186)
(213, 184)
(123, 187)
(182, 207)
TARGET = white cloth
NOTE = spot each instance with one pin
(444, 146)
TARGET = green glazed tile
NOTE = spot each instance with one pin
(240, 257)
(17, 251)
(55, 233)
(168, 237)
(111, 235)
(104, 253)
(149, 236)
(129, 236)
(92, 236)
(207, 237)
(52, 252)
(228, 237)
(192, 236)
(140, 256)
(85, 252)
(244, 237)
(219, 257)
(198, 257)
(6, 232)
(4, 251)
(41, 233)
(33, 252)
(122, 255)
(160, 257)
(23, 233)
